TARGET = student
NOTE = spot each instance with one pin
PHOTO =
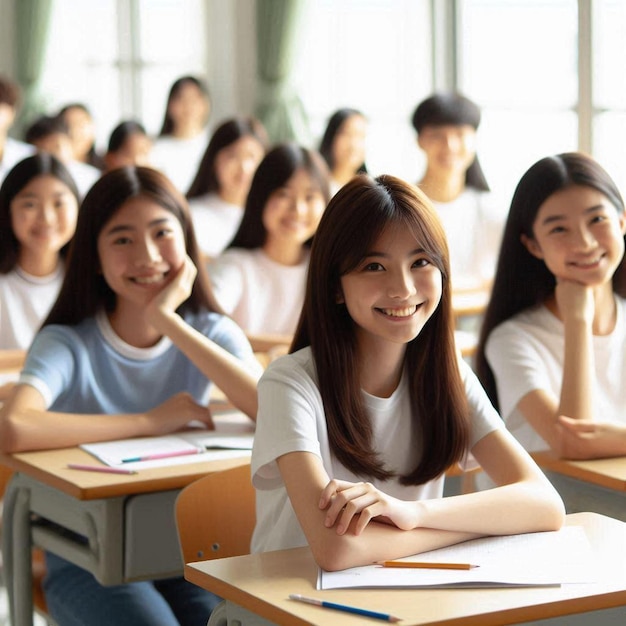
(343, 146)
(129, 349)
(374, 390)
(552, 351)
(218, 194)
(11, 150)
(129, 145)
(82, 132)
(50, 134)
(184, 136)
(446, 125)
(259, 280)
(38, 210)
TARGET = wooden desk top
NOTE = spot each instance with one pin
(261, 584)
(609, 473)
(50, 467)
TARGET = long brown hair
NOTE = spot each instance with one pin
(352, 222)
(85, 291)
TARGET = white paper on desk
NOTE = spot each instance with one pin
(183, 447)
(533, 559)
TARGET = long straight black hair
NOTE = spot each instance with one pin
(85, 291)
(41, 164)
(522, 280)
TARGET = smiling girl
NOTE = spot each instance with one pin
(218, 193)
(375, 391)
(552, 353)
(38, 209)
(259, 280)
(129, 349)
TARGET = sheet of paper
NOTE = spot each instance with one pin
(533, 559)
(117, 453)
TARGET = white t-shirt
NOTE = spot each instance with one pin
(25, 301)
(14, 152)
(215, 222)
(179, 159)
(291, 419)
(84, 175)
(526, 353)
(262, 296)
(473, 224)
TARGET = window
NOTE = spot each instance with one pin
(375, 56)
(120, 57)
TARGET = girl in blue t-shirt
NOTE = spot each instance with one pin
(129, 349)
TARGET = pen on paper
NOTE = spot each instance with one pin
(427, 565)
(100, 468)
(160, 455)
(346, 609)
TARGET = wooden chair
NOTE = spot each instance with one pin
(215, 515)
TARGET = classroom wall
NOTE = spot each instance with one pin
(6, 37)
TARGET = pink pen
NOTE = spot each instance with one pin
(161, 455)
(100, 468)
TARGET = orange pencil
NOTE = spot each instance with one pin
(427, 565)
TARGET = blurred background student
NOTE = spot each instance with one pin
(129, 144)
(50, 134)
(82, 130)
(446, 125)
(38, 211)
(11, 150)
(343, 146)
(184, 134)
(259, 280)
(218, 193)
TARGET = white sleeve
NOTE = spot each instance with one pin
(289, 407)
(516, 364)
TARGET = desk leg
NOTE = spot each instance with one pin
(16, 549)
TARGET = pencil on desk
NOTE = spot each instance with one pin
(427, 565)
(343, 607)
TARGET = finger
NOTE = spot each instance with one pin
(356, 507)
(340, 500)
(331, 490)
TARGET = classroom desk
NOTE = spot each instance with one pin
(256, 589)
(596, 485)
(128, 520)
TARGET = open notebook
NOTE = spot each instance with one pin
(532, 559)
(185, 447)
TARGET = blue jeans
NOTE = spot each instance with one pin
(76, 598)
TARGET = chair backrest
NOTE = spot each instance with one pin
(215, 515)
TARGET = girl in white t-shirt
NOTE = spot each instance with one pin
(552, 353)
(375, 391)
(184, 135)
(259, 280)
(129, 349)
(38, 209)
(218, 193)
(343, 146)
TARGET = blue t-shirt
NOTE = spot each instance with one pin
(87, 368)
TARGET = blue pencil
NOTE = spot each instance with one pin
(343, 607)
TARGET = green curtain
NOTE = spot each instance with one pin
(278, 105)
(32, 26)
